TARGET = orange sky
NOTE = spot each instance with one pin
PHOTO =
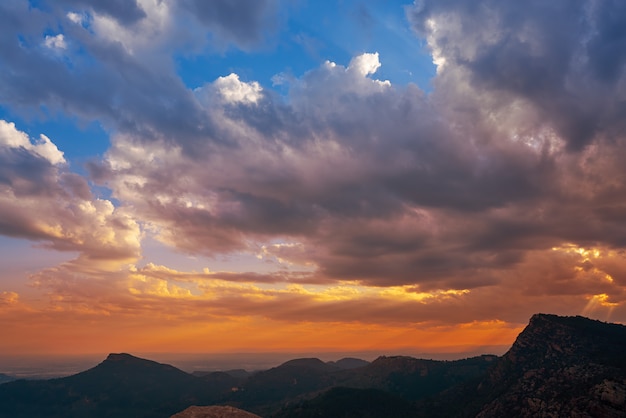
(121, 308)
(299, 176)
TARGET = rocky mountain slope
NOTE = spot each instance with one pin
(557, 367)
(561, 366)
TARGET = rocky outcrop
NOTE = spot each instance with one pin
(560, 366)
(214, 412)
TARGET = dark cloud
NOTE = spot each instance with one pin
(560, 56)
(244, 23)
(120, 92)
(606, 46)
(374, 183)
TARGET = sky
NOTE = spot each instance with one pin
(301, 176)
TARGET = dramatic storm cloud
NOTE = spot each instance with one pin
(240, 186)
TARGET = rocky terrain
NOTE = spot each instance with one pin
(214, 412)
(560, 367)
(557, 367)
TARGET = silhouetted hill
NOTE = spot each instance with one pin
(349, 363)
(120, 386)
(415, 379)
(558, 366)
(394, 381)
(266, 390)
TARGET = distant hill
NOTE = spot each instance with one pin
(120, 386)
(349, 363)
(413, 378)
(558, 366)
(267, 390)
(385, 385)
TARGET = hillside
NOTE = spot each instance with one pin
(558, 366)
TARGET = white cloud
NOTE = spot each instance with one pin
(78, 18)
(12, 138)
(148, 35)
(41, 200)
(365, 64)
(47, 149)
(55, 42)
(232, 90)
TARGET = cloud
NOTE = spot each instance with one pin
(232, 90)
(119, 66)
(244, 23)
(13, 139)
(43, 201)
(55, 42)
(546, 56)
(561, 278)
(8, 298)
(126, 12)
(362, 174)
(365, 64)
(497, 194)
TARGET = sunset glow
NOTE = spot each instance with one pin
(287, 176)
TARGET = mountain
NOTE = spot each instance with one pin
(401, 376)
(120, 386)
(389, 386)
(558, 366)
(414, 379)
(566, 366)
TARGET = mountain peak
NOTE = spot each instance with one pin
(558, 366)
(121, 357)
(125, 360)
(558, 336)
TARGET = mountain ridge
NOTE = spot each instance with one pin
(557, 366)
